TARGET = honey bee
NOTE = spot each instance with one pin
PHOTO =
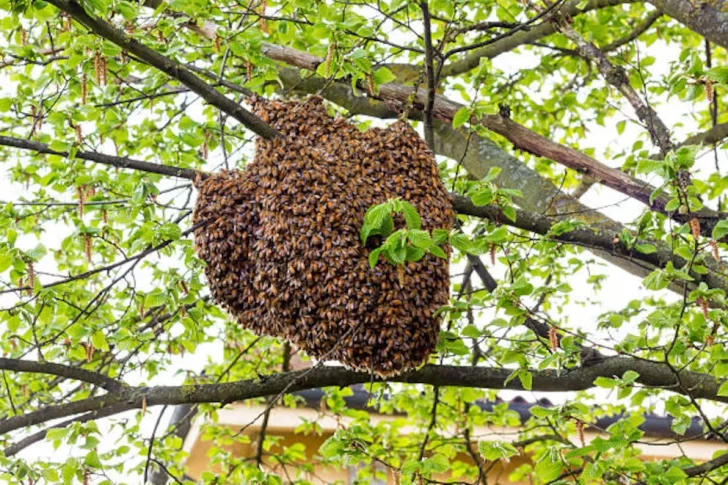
(284, 257)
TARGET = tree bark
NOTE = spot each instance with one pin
(651, 374)
(707, 18)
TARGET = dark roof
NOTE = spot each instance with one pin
(654, 425)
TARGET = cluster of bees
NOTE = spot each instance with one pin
(282, 244)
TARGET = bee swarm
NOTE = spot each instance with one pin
(282, 246)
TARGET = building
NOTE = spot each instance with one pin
(283, 422)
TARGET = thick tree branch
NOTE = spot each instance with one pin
(168, 66)
(707, 467)
(651, 374)
(707, 18)
(590, 238)
(716, 134)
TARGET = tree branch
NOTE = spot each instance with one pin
(616, 77)
(50, 368)
(121, 162)
(636, 32)
(715, 134)
(430, 75)
(709, 19)
(168, 66)
(19, 446)
(588, 237)
(651, 374)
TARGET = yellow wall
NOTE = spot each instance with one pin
(199, 461)
(283, 421)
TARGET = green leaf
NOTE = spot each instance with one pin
(437, 251)
(498, 236)
(522, 287)
(605, 382)
(127, 10)
(57, 434)
(375, 215)
(630, 376)
(186, 123)
(140, 193)
(419, 238)
(364, 232)
(548, 470)
(410, 467)
(438, 463)
(483, 196)
(411, 216)
(675, 473)
(37, 253)
(461, 117)
(155, 298)
(92, 460)
(657, 280)
(651, 166)
(672, 205)
(110, 50)
(720, 230)
(170, 231)
(493, 173)
(398, 255)
(723, 389)
(414, 254)
(387, 226)
(718, 74)
(51, 475)
(496, 450)
(645, 248)
(440, 236)
(461, 242)
(374, 257)
(332, 447)
(98, 339)
(509, 212)
(526, 379)
(69, 470)
(383, 76)
(191, 139)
